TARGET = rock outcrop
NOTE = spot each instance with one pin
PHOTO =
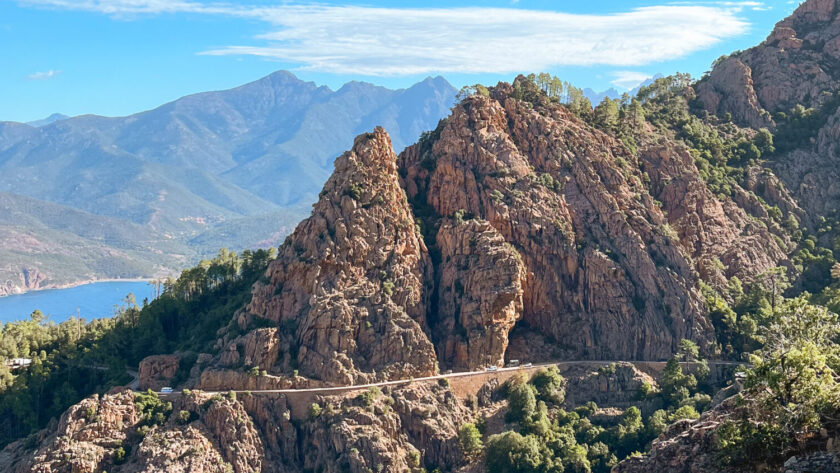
(103, 434)
(157, 371)
(719, 235)
(796, 64)
(350, 284)
(603, 273)
(27, 279)
(479, 294)
(813, 173)
(689, 446)
(616, 385)
(400, 430)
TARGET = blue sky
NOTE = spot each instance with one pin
(117, 57)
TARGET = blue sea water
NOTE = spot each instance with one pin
(93, 301)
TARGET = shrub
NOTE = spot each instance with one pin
(121, 454)
(354, 190)
(413, 458)
(368, 397)
(314, 410)
(549, 384)
(522, 402)
(510, 452)
(470, 438)
(388, 288)
(153, 410)
(684, 412)
(184, 417)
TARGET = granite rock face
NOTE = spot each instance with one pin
(101, 434)
(616, 385)
(350, 283)
(157, 371)
(813, 173)
(479, 294)
(721, 237)
(688, 446)
(794, 65)
(399, 430)
(603, 272)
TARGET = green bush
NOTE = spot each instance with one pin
(549, 384)
(522, 402)
(512, 453)
(184, 417)
(314, 410)
(153, 410)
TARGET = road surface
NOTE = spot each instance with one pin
(446, 376)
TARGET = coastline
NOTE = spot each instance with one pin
(77, 284)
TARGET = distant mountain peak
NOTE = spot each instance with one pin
(55, 117)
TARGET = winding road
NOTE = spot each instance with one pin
(483, 372)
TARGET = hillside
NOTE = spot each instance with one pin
(667, 231)
(195, 168)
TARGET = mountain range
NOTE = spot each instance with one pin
(244, 163)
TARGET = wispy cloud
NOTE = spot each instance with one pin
(628, 79)
(734, 5)
(402, 41)
(44, 75)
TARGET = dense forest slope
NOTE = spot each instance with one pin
(235, 168)
(527, 225)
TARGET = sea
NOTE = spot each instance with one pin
(90, 301)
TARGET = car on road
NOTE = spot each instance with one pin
(166, 390)
(528, 365)
(513, 363)
(492, 368)
(447, 372)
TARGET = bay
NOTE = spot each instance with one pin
(91, 301)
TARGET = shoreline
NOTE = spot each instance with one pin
(77, 284)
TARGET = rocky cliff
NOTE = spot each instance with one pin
(513, 213)
(395, 430)
(611, 272)
(796, 65)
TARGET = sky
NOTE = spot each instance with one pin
(118, 57)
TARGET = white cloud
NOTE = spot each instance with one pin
(131, 7)
(628, 79)
(402, 41)
(734, 5)
(44, 75)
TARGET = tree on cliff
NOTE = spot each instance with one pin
(793, 388)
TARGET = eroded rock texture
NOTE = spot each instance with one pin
(479, 294)
(796, 65)
(605, 276)
(157, 371)
(399, 430)
(717, 233)
(101, 434)
(349, 285)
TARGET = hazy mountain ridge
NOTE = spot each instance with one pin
(55, 117)
(194, 164)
